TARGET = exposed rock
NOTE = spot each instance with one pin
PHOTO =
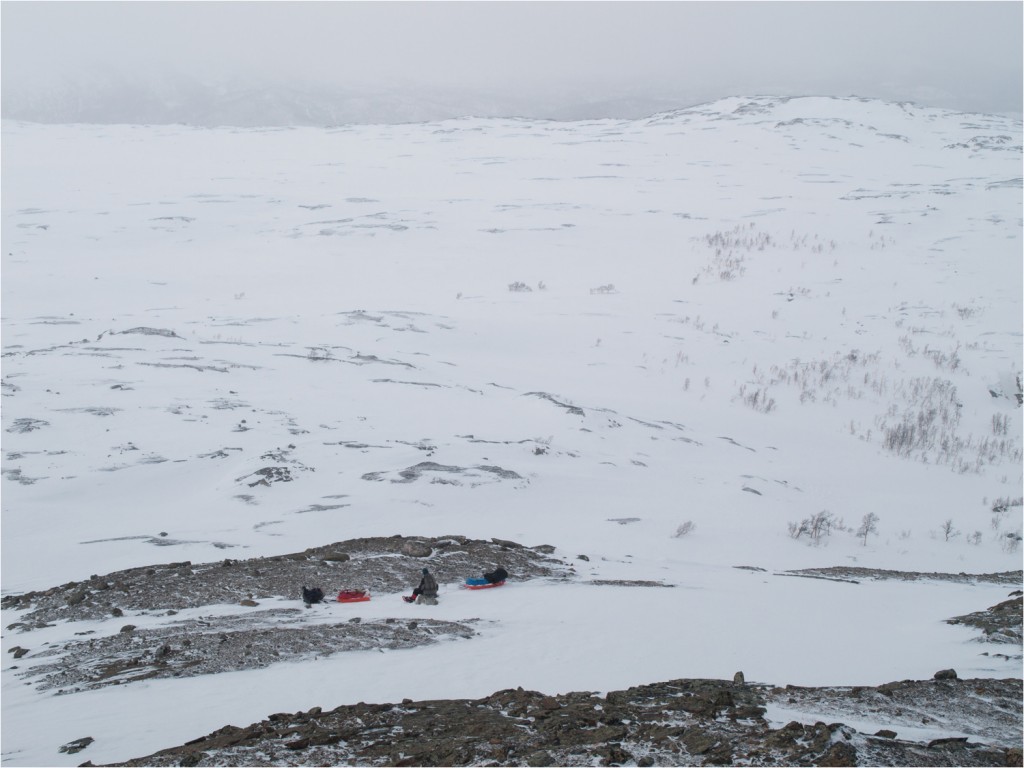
(417, 549)
(850, 572)
(839, 755)
(77, 745)
(507, 544)
(644, 725)
(163, 588)
(1002, 623)
(946, 674)
(260, 637)
(206, 647)
(698, 741)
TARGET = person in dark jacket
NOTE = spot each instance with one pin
(426, 592)
(499, 574)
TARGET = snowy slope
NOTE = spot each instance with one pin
(737, 316)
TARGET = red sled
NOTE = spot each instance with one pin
(485, 586)
(353, 596)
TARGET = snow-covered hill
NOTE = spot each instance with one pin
(775, 333)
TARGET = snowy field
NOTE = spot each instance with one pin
(687, 336)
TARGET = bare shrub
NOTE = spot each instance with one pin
(758, 399)
(1000, 424)
(868, 525)
(817, 527)
(948, 530)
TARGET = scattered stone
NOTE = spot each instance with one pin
(507, 544)
(127, 628)
(839, 754)
(77, 745)
(944, 742)
(885, 733)
(946, 674)
(698, 741)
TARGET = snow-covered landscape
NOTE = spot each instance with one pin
(688, 357)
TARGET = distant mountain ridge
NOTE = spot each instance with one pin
(168, 100)
(117, 98)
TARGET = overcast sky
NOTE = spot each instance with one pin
(962, 55)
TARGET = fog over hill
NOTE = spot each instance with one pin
(171, 99)
(327, 63)
(114, 97)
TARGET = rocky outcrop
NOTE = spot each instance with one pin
(211, 646)
(680, 722)
(999, 624)
(845, 572)
(379, 565)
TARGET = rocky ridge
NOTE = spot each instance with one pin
(680, 722)
(379, 564)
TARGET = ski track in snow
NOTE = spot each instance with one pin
(242, 342)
